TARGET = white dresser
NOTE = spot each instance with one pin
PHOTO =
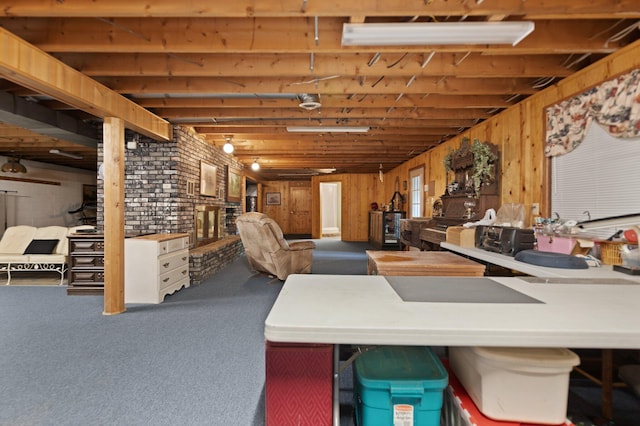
(155, 265)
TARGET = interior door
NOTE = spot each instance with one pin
(300, 213)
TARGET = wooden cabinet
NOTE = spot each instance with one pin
(384, 229)
(86, 264)
(155, 265)
(454, 212)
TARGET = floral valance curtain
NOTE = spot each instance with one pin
(614, 104)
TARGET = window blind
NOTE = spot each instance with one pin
(600, 178)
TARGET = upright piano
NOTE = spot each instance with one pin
(454, 214)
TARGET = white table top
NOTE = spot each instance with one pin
(603, 271)
(364, 309)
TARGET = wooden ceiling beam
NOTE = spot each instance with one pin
(28, 66)
(295, 65)
(280, 158)
(318, 142)
(322, 162)
(38, 140)
(275, 35)
(335, 101)
(343, 85)
(257, 124)
(279, 133)
(324, 113)
(251, 8)
(331, 151)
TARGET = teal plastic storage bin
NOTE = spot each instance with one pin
(399, 386)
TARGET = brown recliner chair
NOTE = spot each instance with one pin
(268, 251)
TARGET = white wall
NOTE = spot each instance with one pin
(39, 204)
(330, 207)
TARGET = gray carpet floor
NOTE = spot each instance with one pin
(196, 359)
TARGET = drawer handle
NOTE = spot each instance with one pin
(165, 280)
(166, 264)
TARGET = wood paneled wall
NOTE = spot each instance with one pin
(519, 133)
(358, 192)
(278, 213)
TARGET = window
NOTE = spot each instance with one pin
(416, 197)
(599, 177)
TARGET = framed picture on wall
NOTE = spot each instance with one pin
(234, 189)
(208, 179)
(272, 198)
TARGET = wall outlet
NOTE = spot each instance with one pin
(535, 209)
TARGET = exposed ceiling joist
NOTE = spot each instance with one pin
(48, 76)
(240, 70)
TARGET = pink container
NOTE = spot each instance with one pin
(555, 244)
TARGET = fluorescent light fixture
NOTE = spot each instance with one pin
(436, 33)
(327, 129)
(65, 154)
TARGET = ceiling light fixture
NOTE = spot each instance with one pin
(255, 166)
(65, 154)
(327, 129)
(228, 147)
(435, 33)
(331, 170)
(309, 102)
(13, 166)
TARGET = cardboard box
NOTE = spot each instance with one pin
(461, 236)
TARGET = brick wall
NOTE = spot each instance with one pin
(158, 176)
(207, 260)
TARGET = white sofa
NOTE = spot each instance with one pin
(27, 248)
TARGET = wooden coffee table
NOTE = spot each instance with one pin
(428, 263)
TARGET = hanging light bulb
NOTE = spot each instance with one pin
(13, 166)
(228, 147)
(380, 175)
(255, 166)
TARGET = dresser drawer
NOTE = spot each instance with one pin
(172, 245)
(172, 261)
(173, 276)
(86, 277)
(84, 246)
(87, 261)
